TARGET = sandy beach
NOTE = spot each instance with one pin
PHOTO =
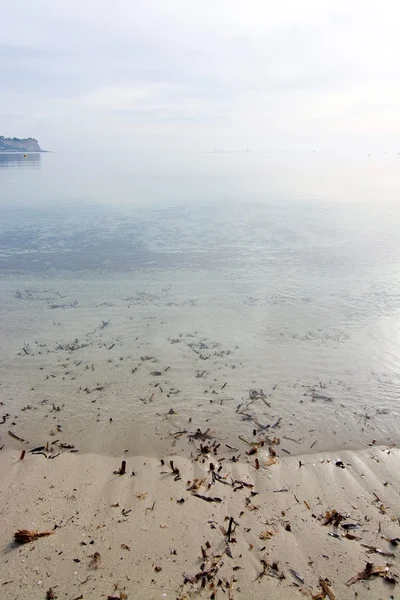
(150, 533)
(199, 300)
(251, 470)
(225, 491)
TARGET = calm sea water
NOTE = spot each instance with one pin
(293, 259)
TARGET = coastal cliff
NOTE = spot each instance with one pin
(19, 145)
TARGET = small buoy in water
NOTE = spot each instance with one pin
(25, 155)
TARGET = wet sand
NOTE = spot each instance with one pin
(101, 359)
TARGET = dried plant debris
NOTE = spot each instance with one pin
(266, 535)
(175, 471)
(122, 469)
(251, 506)
(351, 536)
(374, 549)
(241, 485)
(208, 498)
(252, 450)
(333, 517)
(207, 574)
(25, 536)
(326, 590)
(206, 449)
(201, 435)
(125, 547)
(141, 495)
(271, 569)
(95, 560)
(16, 437)
(256, 394)
(231, 528)
(373, 571)
(195, 484)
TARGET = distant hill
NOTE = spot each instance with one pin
(18, 145)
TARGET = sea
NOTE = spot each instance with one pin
(255, 289)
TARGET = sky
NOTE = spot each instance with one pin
(195, 75)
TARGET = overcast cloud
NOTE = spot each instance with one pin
(195, 75)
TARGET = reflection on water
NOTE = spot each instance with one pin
(16, 160)
(305, 240)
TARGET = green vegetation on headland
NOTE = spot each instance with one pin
(19, 145)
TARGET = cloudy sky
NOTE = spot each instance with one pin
(193, 75)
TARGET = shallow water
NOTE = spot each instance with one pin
(263, 286)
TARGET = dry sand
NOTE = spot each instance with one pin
(153, 534)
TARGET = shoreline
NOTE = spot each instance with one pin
(256, 425)
(120, 368)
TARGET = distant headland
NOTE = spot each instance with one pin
(19, 145)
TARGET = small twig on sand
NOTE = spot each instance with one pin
(208, 498)
(16, 437)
